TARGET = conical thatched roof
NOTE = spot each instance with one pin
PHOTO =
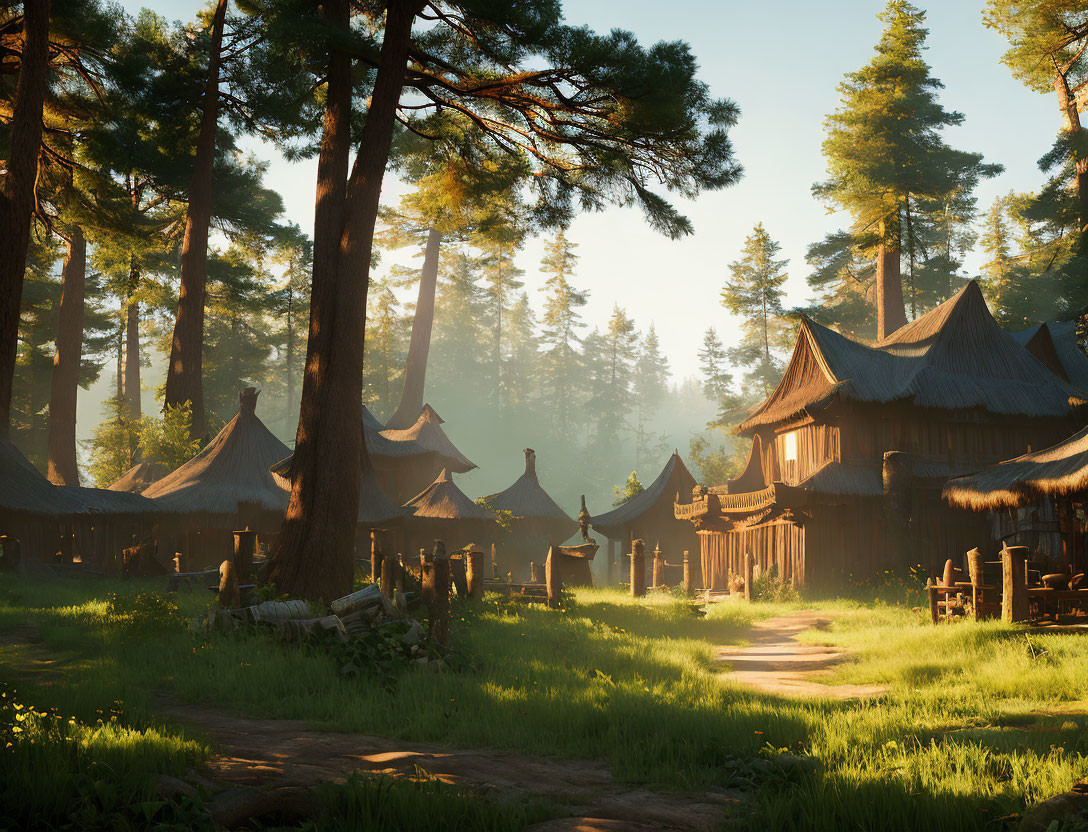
(660, 494)
(427, 432)
(443, 500)
(1058, 470)
(1055, 344)
(955, 357)
(137, 478)
(25, 490)
(232, 469)
(378, 445)
(527, 499)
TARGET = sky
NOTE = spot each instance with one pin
(781, 63)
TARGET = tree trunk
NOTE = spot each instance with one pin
(1072, 123)
(132, 359)
(17, 189)
(890, 314)
(184, 381)
(415, 369)
(64, 385)
(313, 558)
(290, 351)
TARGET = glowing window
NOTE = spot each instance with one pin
(789, 446)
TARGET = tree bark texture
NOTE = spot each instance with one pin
(890, 314)
(17, 189)
(132, 360)
(415, 368)
(64, 384)
(1071, 115)
(313, 558)
(184, 382)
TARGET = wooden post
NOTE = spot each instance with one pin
(67, 547)
(229, 598)
(749, 572)
(459, 576)
(494, 564)
(611, 563)
(553, 577)
(1014, 581)
(534, 571)
(689, 587)
(974, 571)
(898, 480)
(398, 575)
(440, 597)
(659, 567)
(475, 573)
(638, 568)
(245, 545)
(932, 590)
(426, 578)
(948, 578)
(387, 571)
(375, 557)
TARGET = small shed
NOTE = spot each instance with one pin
(650, 516)
(442, 511)
(536, 520)
(226, 486)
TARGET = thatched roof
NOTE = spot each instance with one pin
(955, 357)
(443, 500)
(25, 490)
(674, 479)
(527, 499)
(104, 501)
(427, 432)
(751, 478)
(1055, 344)
(1058, 470)
(232, 469)
(137, 478)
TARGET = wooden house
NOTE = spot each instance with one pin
(851, 450)
(649, 516)
(442, 511)
(536, 521)
(427, 432)
(32, 509)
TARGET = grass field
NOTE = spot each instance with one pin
(980, 719)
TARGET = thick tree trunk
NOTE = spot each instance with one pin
(314, 552)
(184, 382)
(890, 314)
(17, 188)
(415, 369)
(64, 385)
(132, 359)
(290, 351)
(1071, 115)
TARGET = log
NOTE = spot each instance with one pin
(689, 587)
(439, 606)
(364, 597)
(387, 570)
(459, 576)
(659, 567)
(638, 568)
(475, 573)
(553, 577)
(229, 596)
(749, 576)
(245, 546)
(1014, 583)
(11, 553)
(534, 572)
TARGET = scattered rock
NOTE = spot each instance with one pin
(171, 788)
(1058, 808)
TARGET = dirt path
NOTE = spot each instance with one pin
(776, 662)
(284, 753)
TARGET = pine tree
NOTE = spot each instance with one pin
(650, 388)
(844, 282)
(386, 348)
(560, 363)
(885, 156)
(754, 293)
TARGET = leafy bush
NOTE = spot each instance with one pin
(147, 612)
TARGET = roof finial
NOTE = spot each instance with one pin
(247, 399)
(530, 462)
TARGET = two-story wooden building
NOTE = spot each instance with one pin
(851, 450)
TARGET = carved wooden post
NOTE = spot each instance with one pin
(228, 586)
(611, 563)
(440, 598)
(375, 557)
(245, 545)
(689, 587)
(426, 578)
(459, 576)
(638, 568)
(659, 567)
(1014, 580)
(749, 574)
(974, 571)
(932, 590)
(898, 476)
(553, 577)
(534, 572)
(475, 573)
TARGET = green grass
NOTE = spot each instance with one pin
(980, 719)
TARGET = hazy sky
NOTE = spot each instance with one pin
(781, 62)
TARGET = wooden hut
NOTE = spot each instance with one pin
(427, 432)
(1055, 344)
(536, 521)
(109, 522)
(226, 486)
(32, 509)
(650, 517)
(139, 477)
(442, 511)
(1038, 499)
(851, 450)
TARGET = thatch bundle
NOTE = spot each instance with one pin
(1056, 471)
